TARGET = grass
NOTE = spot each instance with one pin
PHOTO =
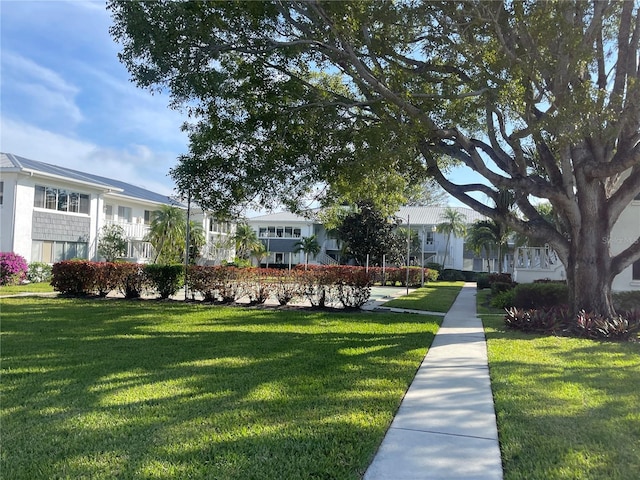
(42, 287)
(566, 407)
(434, 297)
(146, 389)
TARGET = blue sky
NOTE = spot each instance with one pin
(67, 100)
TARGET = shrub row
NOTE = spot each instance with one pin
(557, 320)
(531, 295)
(349, 286)
(486, 280)
(321, 285)
(80, 277)
(398, 275)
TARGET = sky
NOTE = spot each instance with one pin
(65, 98)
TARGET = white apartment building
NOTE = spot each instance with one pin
(50, 213)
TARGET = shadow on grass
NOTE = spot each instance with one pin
(139, 389)
(566, 407)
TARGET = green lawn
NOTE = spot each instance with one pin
(433, 297)
(567, 408)
(26, 288)
(108, 389)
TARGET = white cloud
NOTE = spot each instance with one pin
(40, 89)
(137, 164)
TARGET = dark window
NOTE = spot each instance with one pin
(636, 270)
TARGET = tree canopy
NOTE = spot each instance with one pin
(536, 97)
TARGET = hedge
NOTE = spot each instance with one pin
(321, 285)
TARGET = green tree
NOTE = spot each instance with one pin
(246, 240)
(482, 239)
(453, 223)
(112, 244)
(367, 232)
(259, 252)
(308, 245)
(167, 234)
(285, 96)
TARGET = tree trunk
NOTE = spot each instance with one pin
(589, 272)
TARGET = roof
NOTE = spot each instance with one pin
(435, 215)
(417, 216)
(283, 217)
(9, 161)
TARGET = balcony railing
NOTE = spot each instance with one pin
(538, 258)
(133, 231)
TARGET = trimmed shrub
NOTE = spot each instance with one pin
(132, 279)
(503, 299)
(287, 287)
(39, 272)
(483, 281)
(13, 268)
(164, 279)
(431, 275)
(451, 275)
(108, 277)
(434, 266)
(201, 279)
(540, 295)
(74, 277)
(499, 287)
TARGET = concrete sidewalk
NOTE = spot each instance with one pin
(445, 427)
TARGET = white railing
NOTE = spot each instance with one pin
(536, 258)
(325, 259)
(133, 231)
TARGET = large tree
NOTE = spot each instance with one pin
(370, 235)
(539, 98)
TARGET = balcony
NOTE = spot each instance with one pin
(133, 231)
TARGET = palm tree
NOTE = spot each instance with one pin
(259, 252)
(246, 240)
(167, 234)
(197, 240)
(505, 201)
(453, 224)
(481, 238)
(308, 245)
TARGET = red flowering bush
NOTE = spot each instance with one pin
(13, 268)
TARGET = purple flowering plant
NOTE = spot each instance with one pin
(13, 268)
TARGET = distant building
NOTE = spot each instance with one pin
(280, 232)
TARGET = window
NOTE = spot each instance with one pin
(51, 252)
(1, 192)
(108, 212)
(428, 239)
(61, 200)
(278, 232)
(148, 214)
(279, 257)
(124, 214)
(636, 270)
(218, 227)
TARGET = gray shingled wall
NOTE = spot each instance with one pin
(60, 227)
